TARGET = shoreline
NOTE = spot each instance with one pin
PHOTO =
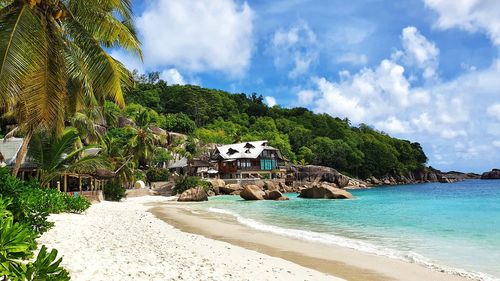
(335, 260)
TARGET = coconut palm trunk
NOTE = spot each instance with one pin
(22, 152)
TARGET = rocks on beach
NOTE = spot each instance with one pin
(252, 192)
(324, 191)
(194, 194)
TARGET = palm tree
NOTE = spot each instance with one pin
(52, 60)
(55, 155)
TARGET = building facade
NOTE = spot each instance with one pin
(249, 160)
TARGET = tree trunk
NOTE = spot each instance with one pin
(22, 152)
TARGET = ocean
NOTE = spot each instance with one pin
(449, 227)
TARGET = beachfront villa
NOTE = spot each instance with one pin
(255, 159)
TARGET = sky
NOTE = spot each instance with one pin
(423, 70)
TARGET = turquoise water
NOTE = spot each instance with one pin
(452, 227)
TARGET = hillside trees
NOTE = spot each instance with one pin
(214, 116)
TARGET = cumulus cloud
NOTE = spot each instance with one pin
(172, 77)
(271, 101)
(393, 125)
(295, 48)
(197, 35)
(476, 15)
(419, 52)
(386, 96)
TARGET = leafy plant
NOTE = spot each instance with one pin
(46, 267)
(31, 205)
(157, 174)
(114, 191)
(186, 183)
(77, 204)
(17, 242)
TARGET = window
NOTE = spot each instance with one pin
(268, 164)
(244, 163)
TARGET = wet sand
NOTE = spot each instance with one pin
(334, 260)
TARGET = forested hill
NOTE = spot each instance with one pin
(214, 116)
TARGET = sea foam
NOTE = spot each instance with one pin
(358, 245)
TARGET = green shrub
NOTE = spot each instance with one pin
(77, 204)
(31, 205)
(114, 191)
(186, 183)
(157, 174)
(17, 242)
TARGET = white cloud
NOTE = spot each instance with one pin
(271, 101)
(295, 48)
(385, 96)
(470, 15)
(197, 35)
(172, 77)
(419, 52)
(305, 97)
(494, 111)
(437, 113)
(352, 58)
(393, 125)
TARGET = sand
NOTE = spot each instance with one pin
(343, 262)
(123, 241)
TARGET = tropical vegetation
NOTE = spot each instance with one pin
(24, 208)
(53, 62)
(217, 117)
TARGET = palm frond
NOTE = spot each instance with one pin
(22, 49)
(88, 164)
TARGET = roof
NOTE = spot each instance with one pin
(9, 149)
(249, 150)
(183, 162)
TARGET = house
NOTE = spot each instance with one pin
(193, 167)
(256, 159)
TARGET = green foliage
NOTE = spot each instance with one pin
(76, 204)
(161, 157)
(17, 242)
(157, 174)
(300, 134)
(114, 191)
(57, 154)
(188, 182)
(46, 267)
(177, 122)
(31, 205)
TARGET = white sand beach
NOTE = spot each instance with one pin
(123, 241)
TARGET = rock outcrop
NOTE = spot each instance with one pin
(217, 184)
(315, 173)
(324, 191)
(252, 192)
(231, 188)
(194, 194)
(272, 195)
(269, 185)
(491, 175)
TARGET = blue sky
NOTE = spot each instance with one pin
(423, 70)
